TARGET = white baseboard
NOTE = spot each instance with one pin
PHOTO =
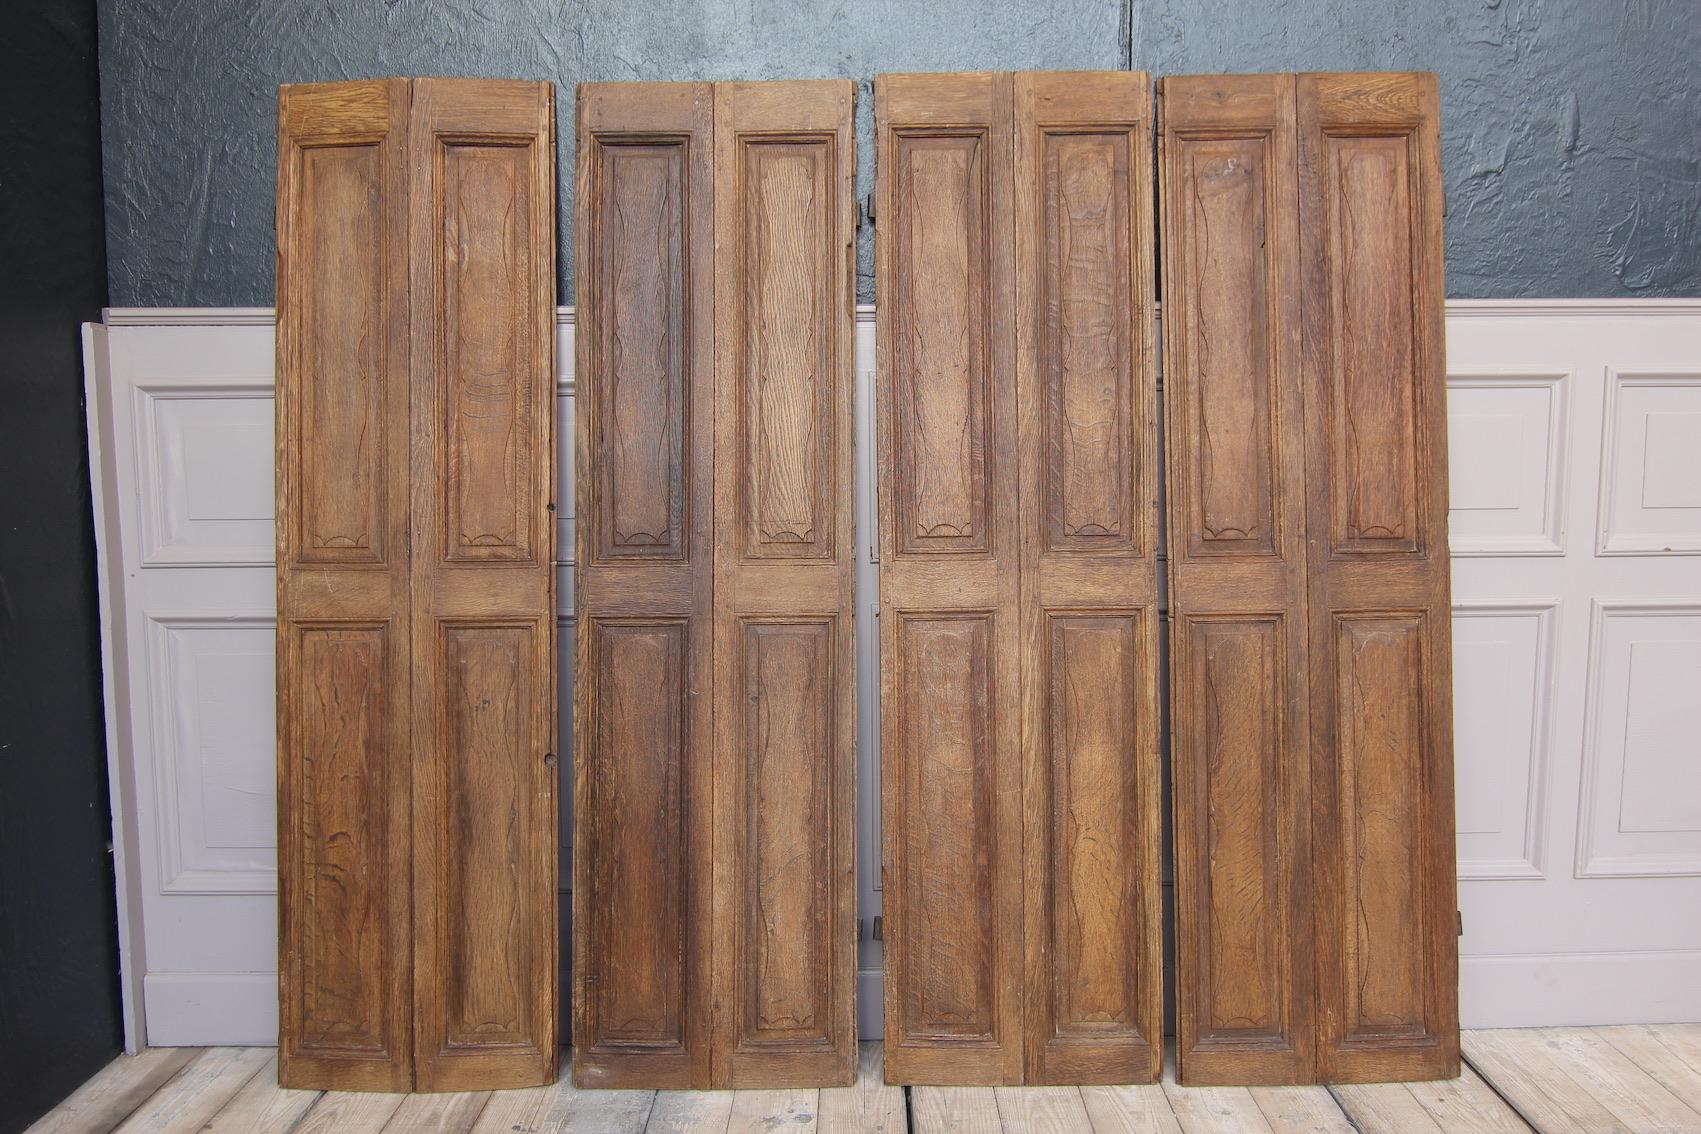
(1557, 990)
(208, 1009)
(870, 992)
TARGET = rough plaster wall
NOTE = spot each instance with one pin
(1572, 128)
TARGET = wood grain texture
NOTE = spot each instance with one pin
(784, 686)
(643, 748)
(1086, 403)
(486, 971)
(1378, 603)
(344, 598)
(951, 776)
(1237, 491)
(1310, 672)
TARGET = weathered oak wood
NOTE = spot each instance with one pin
(1310, 667)
(486, 968)
(950, 558)
(1237, 564)
(345, 744)
(1086, 402)
(417, 810)
(643, 787)
(715, 857)
(784, 967)
(1378, 602)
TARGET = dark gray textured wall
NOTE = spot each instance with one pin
(1571, 128)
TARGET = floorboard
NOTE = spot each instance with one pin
(1634, 1079)
(195, 1095)
(116, 1090)
(871, 1106)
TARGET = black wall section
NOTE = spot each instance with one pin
(1571, 128)
(59, 1015)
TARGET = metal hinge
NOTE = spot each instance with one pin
(879, 929)
(867, 214)
(1460, 915)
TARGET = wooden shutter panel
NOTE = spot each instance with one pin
(345, 1019)
(784, 683)
(1086, 391)
(415, 589)
(483, 397)
(1309, 571)
(1240, 744)
(642, 719)
(951, 775)
(1380, 608)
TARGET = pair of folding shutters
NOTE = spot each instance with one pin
(416, 597)
(714, 695)
(1018, 578)
(1309, 589)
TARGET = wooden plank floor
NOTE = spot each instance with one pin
(1627, 1080)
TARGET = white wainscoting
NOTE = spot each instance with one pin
(1575, 448)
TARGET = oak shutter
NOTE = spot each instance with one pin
(344, 743)
(784, 679)
(1086, 399)
(416, 608)
(483, 432)
(1309, 579)
(715, 887)
(642, 714)
(1019, 627)
(1240, 745)
(951, 773)
(1379, 603)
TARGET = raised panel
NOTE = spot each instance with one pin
(1227, 326)
(1093, 829)
(212, 700)
(340, 729)
(488, 401)
(948, 827)
(788, 712)
(789, 329)
(1650, 491)
(1085, 343)
(1639, 814)
(1381, 749)
(340, 341)
(489, 684)
(1506, 462)
(1502, 675)
(635, 834)
(1370, 206)
(640, 350)
(941, 373)
(345, 727)
(1238, 777)
(205, 474)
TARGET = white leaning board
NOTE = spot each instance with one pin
(1575, 438)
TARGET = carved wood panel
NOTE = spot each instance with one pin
(643, 756)
(482, 390)
(634, 844)
(641, 339)
(344, 731)
(783, 965)
(1312, 726)
(1239, 738)
(1379, 605)
(1086, 384)
(951, 776)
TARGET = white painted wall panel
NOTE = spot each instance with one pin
(1577, 660)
